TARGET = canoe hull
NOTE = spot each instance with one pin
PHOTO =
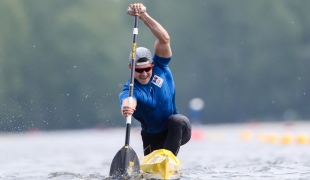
(161, 164)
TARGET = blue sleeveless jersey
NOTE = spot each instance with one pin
(155, 100)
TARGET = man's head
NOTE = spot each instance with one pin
(144, 65)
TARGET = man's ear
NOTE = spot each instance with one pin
(129, 65)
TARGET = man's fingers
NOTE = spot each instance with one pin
(142, 9)
(127, 111)
(135, 9)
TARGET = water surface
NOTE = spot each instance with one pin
(239, 151)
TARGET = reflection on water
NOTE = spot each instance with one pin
(242, 151)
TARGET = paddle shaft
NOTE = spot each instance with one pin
(126, 162)
(132, 77)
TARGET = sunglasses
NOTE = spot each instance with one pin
(144, 69)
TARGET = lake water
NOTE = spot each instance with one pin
(234, 152)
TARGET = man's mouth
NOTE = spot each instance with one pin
(144, 78)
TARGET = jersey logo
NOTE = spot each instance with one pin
(158, 81)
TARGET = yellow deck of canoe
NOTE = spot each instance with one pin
(161, 164)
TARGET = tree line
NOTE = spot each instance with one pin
(63, 63)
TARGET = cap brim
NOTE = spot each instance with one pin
(144, 66)
(142, 63)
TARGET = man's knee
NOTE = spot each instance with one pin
(174, 121)
(178, 121)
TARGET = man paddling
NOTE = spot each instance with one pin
(154, 92)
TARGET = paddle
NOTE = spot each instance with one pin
(126, 163)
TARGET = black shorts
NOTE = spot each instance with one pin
(177, 134)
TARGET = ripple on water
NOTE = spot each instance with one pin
(70, 175)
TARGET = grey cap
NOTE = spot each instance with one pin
(142, 52)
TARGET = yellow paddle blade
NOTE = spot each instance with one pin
(161, 164)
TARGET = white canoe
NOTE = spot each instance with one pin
(161, 164)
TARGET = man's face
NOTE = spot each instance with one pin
(143, 73)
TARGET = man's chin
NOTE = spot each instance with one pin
(144, 81)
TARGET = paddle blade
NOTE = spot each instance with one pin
(125, 164)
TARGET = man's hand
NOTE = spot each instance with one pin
(126, 109)
(136, 9)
